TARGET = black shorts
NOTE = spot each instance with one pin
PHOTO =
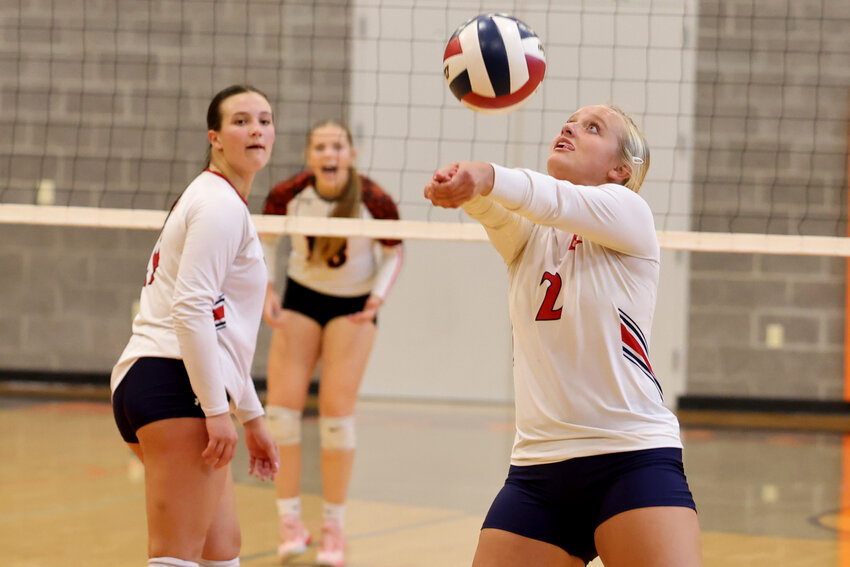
(153, 389)
(318, 306)
(563, 503)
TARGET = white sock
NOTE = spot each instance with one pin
(170, 562)
(289, 506)
(211, 563)
(333, 512)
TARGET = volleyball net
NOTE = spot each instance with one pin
(744, 103)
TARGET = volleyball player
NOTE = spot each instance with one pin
(187, 364)
(333, 291)
(596, 466)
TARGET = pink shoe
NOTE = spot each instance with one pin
(294, 537)
(332, 547)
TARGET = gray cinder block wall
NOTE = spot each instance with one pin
(75, 113)
(771, 156)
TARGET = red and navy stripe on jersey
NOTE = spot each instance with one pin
(636, 349)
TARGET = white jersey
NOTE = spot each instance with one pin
(203, 297)
(583, 267)
(364, 266)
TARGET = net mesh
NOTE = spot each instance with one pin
(744, 102)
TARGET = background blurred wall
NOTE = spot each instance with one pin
(771, 143)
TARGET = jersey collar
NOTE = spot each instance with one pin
(229, 183)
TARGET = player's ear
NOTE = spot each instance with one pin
(620, 173)
(212, 136)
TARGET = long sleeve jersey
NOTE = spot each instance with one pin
(583, 267)
(365, 265)
(203, 296)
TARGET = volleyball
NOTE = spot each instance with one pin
(493, 63)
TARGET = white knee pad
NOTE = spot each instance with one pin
(285, 424)
(170, 562)
(211, 563)
(337, 433)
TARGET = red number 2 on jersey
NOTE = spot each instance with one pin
(546, 313)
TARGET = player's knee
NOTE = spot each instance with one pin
(224, 539)
(337, 433)
(284, 424)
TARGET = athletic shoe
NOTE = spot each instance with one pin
(332, 547)
(294, 537)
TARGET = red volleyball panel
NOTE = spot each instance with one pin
(453, 48)
(536, 70)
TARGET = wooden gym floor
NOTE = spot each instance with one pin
(72, 494)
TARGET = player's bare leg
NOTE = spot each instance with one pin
(224, 538)
(293, 355)
(182, 492)
(346, 346)
(499, 548)
(661, 536)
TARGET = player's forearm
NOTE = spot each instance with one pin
(507, 231)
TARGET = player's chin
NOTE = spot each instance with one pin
(555, 165)
(258, 154)
(258, 162)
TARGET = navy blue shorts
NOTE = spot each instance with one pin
(153, 389)
(318, 306)
(563, 503)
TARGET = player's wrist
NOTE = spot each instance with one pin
(488, 178)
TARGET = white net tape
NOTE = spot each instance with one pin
(420, 230)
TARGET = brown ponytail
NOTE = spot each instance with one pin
(347, 206)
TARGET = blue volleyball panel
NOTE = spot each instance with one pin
(524, 30)
(461, 86)
(495, 58)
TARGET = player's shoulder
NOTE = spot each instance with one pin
(295, 184)
(210, 194)
(285, 191)
(213, 185)
(372, 188)
(380, 204)
(627, 197)
(624, 193)
(638, 219)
